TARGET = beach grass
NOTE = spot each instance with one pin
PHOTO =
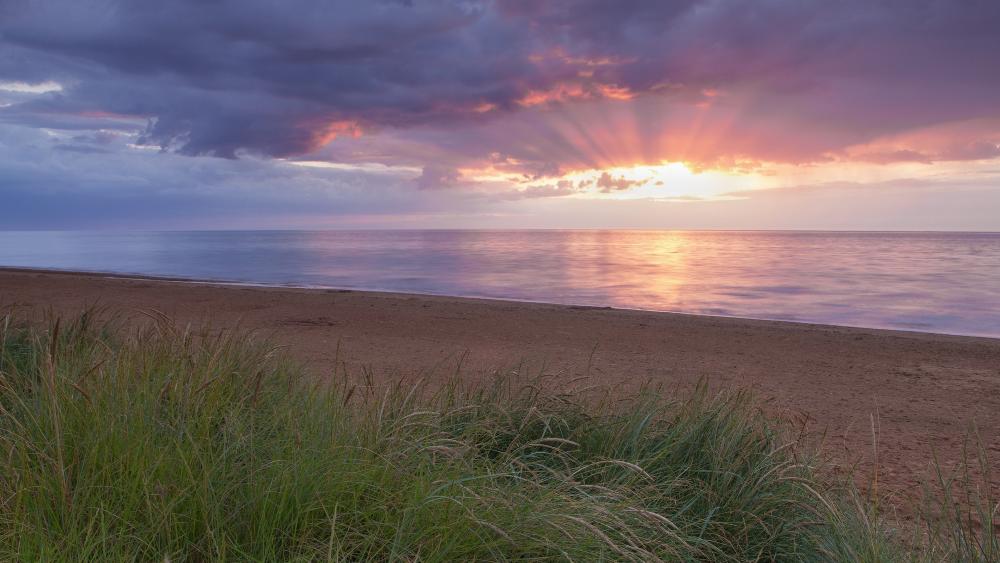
(149, 441)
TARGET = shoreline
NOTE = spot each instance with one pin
(923, 389)
(208, 282)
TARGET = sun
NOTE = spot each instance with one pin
(664, 181)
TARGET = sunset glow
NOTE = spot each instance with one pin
(504, 113)
(671, 182)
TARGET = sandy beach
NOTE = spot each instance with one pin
(924, 390)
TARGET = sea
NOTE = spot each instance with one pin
(930, 282)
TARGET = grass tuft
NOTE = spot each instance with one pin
(153, 442)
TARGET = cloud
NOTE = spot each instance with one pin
(558, 189)
(280, 79)
(110, 110)
(65, 181)
(437, 177)
(609, 184)
(958, 141)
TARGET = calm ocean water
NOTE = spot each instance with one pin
(938, 282)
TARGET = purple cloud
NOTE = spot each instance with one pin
(283, 79)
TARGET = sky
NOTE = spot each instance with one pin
(649, 114)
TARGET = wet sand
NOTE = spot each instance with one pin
(926, 390)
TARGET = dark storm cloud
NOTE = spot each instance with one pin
(284, 78)
(218, 77)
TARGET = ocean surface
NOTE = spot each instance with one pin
(935, 282)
